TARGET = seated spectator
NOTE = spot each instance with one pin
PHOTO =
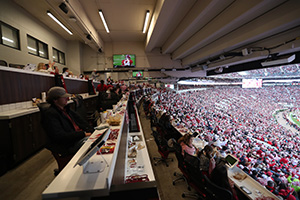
(51, 67)
(263, 179)
(207, 161)
(66, 129)
(41, 68)
(115, 95)
(247, 168)
(186, 143)
(107, 99)
(219, 176)
(271, 187)
(66, 71)
(277, 179)
(124, 88)
(286, 192)
(109, 80)
(254, 174)
(294, 181)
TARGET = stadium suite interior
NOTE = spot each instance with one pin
(190, 40)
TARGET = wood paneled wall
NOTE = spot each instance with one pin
(18, 87)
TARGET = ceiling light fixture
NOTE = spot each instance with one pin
(279, 61)
(146, 21)
(59, 23)
(103, 20)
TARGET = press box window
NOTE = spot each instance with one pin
(58, 56)
(9, 36)
(36, 47)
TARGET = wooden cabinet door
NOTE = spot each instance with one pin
(21, 136)
(5, 147)
(38, 133)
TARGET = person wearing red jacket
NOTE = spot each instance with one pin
(101, 87)
(286, 192)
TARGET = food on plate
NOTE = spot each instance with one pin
(239, 176)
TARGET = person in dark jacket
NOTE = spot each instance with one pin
(219, 176)
(65, 129)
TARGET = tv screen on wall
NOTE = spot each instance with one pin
(137, 74)
(123, 60)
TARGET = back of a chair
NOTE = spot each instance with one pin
(195, 176)
(215, 192)
(191, 165)
(191, 161)
(157, 138)
(178, 154)
(80, 108)
(43, 107)
(79, 103)
(160, 129)
(153, 118)
(162, 144)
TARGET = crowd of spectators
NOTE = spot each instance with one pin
(241, 120)
(111, 92)
(51, 68)
(281, 71)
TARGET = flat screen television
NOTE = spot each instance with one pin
(137, 74)
(123, 60)
(93, 148)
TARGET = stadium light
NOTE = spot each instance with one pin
(279, 61)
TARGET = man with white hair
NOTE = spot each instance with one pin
(94, 74)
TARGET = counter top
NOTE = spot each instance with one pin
(72, 182)
(255, 189)
(18, 112)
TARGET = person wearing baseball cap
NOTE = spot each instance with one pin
(65, 129)
(55, 93)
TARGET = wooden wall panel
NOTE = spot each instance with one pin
(20, 87)
(76, 87)
(6, 88)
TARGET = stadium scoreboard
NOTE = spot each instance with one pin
(252, 83)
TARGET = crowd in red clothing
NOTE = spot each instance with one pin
(241, 120)
(286, 70)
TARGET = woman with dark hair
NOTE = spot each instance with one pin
(101, 87)
(219, 176)
(186, 143)
(207, 161)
